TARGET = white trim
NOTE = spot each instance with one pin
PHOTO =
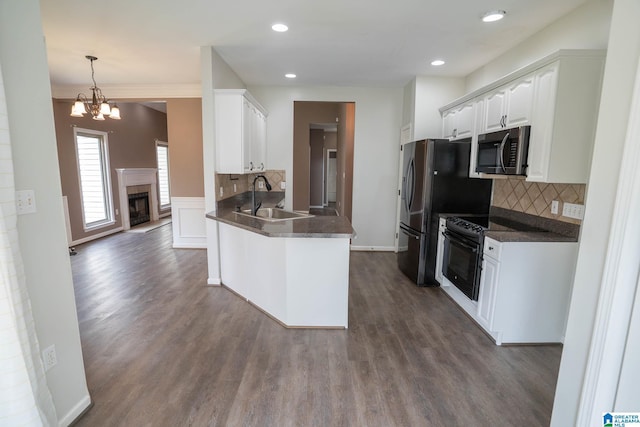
(619, 283)
(189, 223)
(75, 412)
(373, 248)
(137, 176)
(133, 91)
(214, 281)
(96, 236)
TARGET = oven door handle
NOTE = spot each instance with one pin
(455, 239)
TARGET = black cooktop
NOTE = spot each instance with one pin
(497, 223)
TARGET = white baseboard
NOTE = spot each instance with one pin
(189, 226)
(214, 281)
(194, 245)
(96, 236)
(75, 412)
(373, 248)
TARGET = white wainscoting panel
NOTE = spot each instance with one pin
(189, 226)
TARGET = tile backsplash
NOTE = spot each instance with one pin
(243, 183)
(535, 197)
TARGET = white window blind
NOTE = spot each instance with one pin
(95, 188)
(162, 153)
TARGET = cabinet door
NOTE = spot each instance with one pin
(542, 128)
(448, 124)
(229, 133)
(519, 102)
(464, 121)
(494, 110)
(258, 143)
(247, 134)
(487, 296)
(478, 112)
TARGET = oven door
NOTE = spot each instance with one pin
(462, 262)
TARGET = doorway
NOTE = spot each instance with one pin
(314, 124)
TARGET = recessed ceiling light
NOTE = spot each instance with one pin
(437, 62)
(281, 28)
(290, 76)
(494, 15)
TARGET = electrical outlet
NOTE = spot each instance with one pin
(571, 210)
(117, 212)
(221, 191)
(554, 207)
(283, 185)
(234, 188)
(260, 184)
(49, 357)
(25, 202)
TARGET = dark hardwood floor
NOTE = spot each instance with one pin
(163, 349)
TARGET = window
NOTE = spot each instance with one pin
(162, 154)
(95, 186)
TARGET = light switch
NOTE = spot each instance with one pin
(25, 202)
(283, 185)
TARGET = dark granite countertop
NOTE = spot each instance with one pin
(551, 230)
(528, 236)
(314, 226)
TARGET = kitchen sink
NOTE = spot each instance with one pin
(274, 214)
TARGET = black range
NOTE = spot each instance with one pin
(463, 245)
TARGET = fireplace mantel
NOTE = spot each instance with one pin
(137, 176)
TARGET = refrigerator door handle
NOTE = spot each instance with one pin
(411, 179)
(409, 232)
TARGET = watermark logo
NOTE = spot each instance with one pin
(621, 419)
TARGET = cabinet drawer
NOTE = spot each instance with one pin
(492, 248)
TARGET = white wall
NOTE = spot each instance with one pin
(42, 235)
(587, 27)
(620, 70)
(431, 94)
(376, 151)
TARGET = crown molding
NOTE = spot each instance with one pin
(146, 91)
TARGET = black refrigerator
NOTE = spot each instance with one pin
(435, 179)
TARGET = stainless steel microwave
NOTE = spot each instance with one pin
(504, 152)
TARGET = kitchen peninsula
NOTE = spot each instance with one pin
(296, 270)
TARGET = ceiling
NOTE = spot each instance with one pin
(329, 43)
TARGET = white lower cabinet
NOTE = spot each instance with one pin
(525, 289)
(486, 298)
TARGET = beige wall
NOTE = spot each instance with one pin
(344, 159)
(184, 127)
(131, 145)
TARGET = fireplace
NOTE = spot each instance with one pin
(128, 181)
(139, 208)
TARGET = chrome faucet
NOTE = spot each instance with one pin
(254, 208)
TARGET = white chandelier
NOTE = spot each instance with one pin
(98, 106)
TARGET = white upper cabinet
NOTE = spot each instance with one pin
(458, 122)
(509, 106)
(558, 97)
(240, 132)
(564, 121)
